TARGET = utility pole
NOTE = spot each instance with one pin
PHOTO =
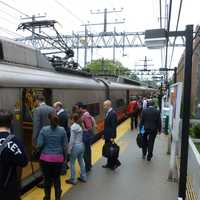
(145, 65)
(114, 47)
(105, 12)
(86, 46)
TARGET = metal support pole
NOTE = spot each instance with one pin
(92, 50)
(186, 111)
(86, 46)
(114, 47)
(105, 20)
(175, 74)
(77, 50)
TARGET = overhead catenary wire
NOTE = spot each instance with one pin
(17, 10)
(161, 50)
(178, 19)
(11, 16)
(167, 36)
(10, 32)
(68, 10)
(11, 22)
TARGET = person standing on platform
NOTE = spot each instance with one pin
(144, 103)
(63, 117)
(12, 156)
(133, 111)
(76, 150)
(110, 132)
(40, 119)
(52, 141)
(87, 123)
(63, 122)
(151, 121)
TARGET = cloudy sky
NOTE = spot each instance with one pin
(139, 16)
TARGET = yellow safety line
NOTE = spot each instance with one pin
(36, 193)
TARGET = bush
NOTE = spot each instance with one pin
(195, 131)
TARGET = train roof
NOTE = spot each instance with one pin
(13, 75)
(23, 76)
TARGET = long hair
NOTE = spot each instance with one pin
(76, 118)
(54, 120)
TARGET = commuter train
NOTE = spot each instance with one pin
(25, 73)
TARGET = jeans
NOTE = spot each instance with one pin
(51, 172)
(77, 153)
(87, 137)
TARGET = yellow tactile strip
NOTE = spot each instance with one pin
(37, 193)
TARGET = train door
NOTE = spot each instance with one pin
(127, 96)
(28, 105)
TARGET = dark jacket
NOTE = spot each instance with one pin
(110, 125)
(63, 121)
(150, 119)
(11, 157)
(40, 119)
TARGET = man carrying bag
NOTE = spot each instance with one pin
(110, 149)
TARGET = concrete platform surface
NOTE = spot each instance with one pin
(136, 179)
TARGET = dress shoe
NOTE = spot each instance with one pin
(143, 157)
(105, 166)
(148, 158)
(40, 185)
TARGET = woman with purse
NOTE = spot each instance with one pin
(52, 141)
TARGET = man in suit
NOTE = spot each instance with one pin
(63, 117)
(151, 121)
(63, 121)
(40, 117)
(110, 130)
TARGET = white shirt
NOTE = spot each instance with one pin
(109, 110)
(144, 103)
(60, 111)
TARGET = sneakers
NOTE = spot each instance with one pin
(82, 180)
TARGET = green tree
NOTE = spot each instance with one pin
(106, 66)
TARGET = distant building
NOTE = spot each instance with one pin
(195, 91)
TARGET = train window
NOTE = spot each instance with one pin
(29, 101)
(93, 109)
(1, 51)
(120, 103)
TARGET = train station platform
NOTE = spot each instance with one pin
(136, 179)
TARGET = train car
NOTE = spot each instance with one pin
(22, 79)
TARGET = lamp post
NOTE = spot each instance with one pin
(188, 34)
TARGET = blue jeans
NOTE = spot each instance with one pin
(77, 153)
